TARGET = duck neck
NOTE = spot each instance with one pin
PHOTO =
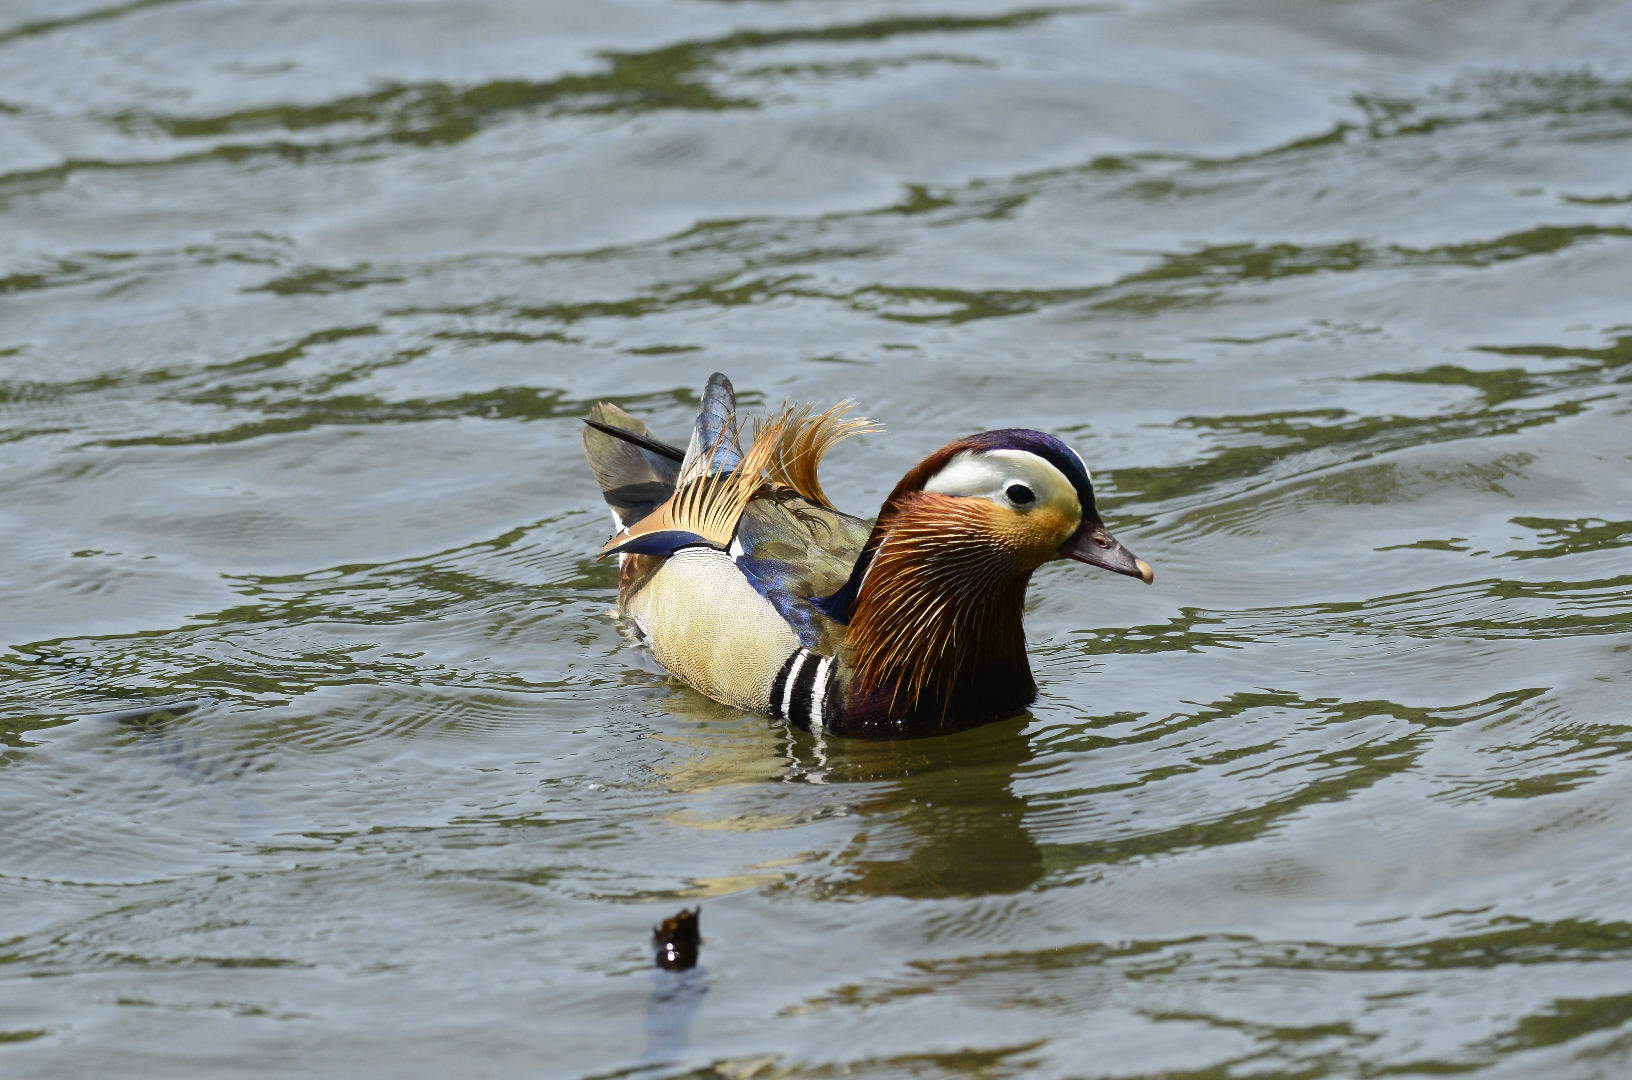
(936, 638)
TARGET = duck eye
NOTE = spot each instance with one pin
(1020, 495)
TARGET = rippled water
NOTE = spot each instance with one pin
(300, 303)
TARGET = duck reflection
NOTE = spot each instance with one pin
(938, 817)
(943, 819)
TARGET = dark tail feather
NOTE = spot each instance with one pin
(636, 472)
(645, 442)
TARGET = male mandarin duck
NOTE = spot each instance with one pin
(746, 583)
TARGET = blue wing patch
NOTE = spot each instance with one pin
(662, 542)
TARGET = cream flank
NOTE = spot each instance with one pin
(704, 622)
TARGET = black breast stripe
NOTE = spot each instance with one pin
(804, 684)
(799, 691)
(779, 685)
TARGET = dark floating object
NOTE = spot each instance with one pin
(677, 940)
(678, 986)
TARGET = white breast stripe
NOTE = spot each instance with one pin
(818, 696)
(793, 676)
(617, 523)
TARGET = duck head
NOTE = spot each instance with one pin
(1039, 496)
(1025, 494)
(935, 600)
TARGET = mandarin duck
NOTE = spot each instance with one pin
(745, 582)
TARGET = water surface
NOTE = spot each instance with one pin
(300, 304)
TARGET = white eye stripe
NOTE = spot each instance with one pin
(970, 475)
(988, 474)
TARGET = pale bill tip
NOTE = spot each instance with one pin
(1146, 574)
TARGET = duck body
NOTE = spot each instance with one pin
(747, 584)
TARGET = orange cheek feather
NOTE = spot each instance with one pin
(1030, 538)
